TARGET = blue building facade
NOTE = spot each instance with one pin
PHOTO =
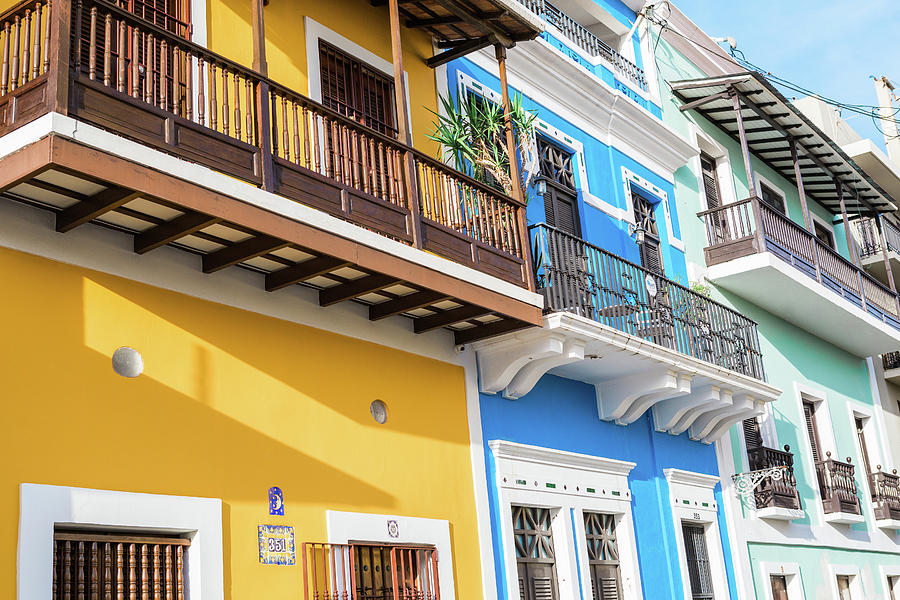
(599, 429)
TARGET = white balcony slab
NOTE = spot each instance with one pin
(892, 375)
(777, 513)
(843, 518)
(631, 376)
(888, 524)
(772, 284)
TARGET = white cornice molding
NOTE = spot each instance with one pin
(543, 73)
(691, 478)
(504, 450)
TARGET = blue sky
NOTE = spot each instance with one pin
(828, 46)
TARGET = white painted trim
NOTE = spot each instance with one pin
(890, 571)
(43, 506)
(198, 23)
(346, 527)
(97, 138)
(629, 177)
(826, 439)
(743, 575)
(315, 31)
(724, 173)
(877, 387)
(524, 476)
(829, 226)
(791, 573)
(856, 588)
(775, 188)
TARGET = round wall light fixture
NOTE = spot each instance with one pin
(379, 411)
(127, 362)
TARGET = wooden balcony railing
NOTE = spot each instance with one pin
(731, 232)
(144, 82)
(578, 277)
(890, 360)
(95, 565)
(369, 572)
(587, 41)
(885, 494)
(837, 485)
(778, 493)
(868, 237)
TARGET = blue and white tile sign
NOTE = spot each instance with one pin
(276, 545)
(276, 501)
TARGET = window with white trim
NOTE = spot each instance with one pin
(535, 557)
(697, 556)
(603, 555)
(771, 197)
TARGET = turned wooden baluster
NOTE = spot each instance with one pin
(26, 52)
(55, 574)
(92, 46)
(163, 76)
(201, 100)
(4, 69)
(156, 582)
(168, 572)
(176, 81)
(329, 171)
(354, 157)
(285, 133)
(249, 87)
(107, 571)
(135, 67)
(95, 572)
(47, 40)
(145, 574)
(296, 133)
(179, 573)
(36, 51)
(189, 87)
(237, 106)
(80, 572)
(67, 571)
(120, 59)
(132, 572)
(382, 173)
(120, 570)
(225, 109)
(14, 67)
(213, 107)
(107, 53)
(148, 67)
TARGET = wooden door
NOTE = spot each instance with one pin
(713, 198)
(843, 582)
(697, 557)
(603, 556)
(861, 436)
(809, 414)
(535, 557)
(779, 587)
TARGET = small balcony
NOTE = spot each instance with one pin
(131, 126)
(785, 269)
(584, 39)
(645, 342)
(885, 489)
(869, 241)
(776, 498)
(837, 485)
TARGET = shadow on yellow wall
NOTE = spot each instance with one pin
(230, 403)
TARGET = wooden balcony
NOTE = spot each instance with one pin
(775, 493)
(837, 485)
(147, 85)
(885, 489)
(831, 295)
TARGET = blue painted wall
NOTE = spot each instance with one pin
(562, 414)
(603, 167)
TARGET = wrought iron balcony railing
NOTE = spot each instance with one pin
(837, 485)
(890, 360)
(868, 237)
(587, 41)
(885, 494)
(578, 277)
(145, 82)
(771, 492)
(732, 232)
(369, 572)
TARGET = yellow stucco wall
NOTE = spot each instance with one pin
(229, 34)
(230, 403)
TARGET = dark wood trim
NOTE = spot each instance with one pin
(245, 250)
(404, 304)
(480, 332)
(170, 231)
(448, 317)
(303, 271)
(356, 288)
(88, 210)
(457, 51)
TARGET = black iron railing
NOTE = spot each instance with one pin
(581, 278)
(771, 492)
(890, 360)
(868, 237)
(584, 39)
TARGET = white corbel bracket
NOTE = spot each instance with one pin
(515, 373)
(625, 399)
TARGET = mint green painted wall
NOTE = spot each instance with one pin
(815, 575)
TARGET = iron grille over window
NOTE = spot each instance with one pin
(644, 215)
(100, 564)
(535, 558)
(603, 555)
(353, 88)
(697, 562)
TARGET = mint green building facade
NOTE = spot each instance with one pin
(781, 551)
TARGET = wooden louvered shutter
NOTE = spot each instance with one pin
(752, 436)
(560, 210)
(710, 182)
(698, 562)
(809, 413)
(651, 258)
(535, 557)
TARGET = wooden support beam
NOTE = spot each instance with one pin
(232, 255)
(879, 222)
(303, 271)
(258, 27)
(745, 149)
(487, 330)
(170, 231)
(448, 317)
(798, 175)
(457, 51)
(95, 206)
(445, 20)
(404, 304)
(850, 243)
(705, 100)
(355, 288)
(466, 14)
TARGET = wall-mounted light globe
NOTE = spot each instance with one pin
(379, 411)
(127, 362)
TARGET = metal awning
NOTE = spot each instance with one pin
(771, 123)
(463, 26)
